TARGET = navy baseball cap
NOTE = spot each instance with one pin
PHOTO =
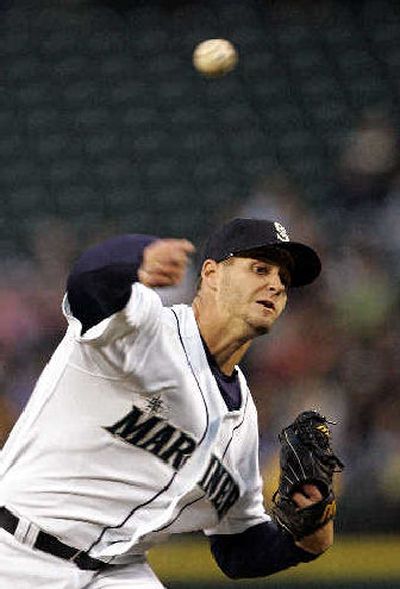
(260, 236)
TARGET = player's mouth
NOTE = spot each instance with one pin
(269, 305)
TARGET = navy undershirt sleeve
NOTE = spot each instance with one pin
(259, 551)
(100, 281)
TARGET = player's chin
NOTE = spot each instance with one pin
(261, 326)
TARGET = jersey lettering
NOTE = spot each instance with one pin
(180, 451)
(130, 430)
(158, 441)
(155, 435)
(220, 487)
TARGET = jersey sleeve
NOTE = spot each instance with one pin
(100, 281)
(104, 302)
(141, 314)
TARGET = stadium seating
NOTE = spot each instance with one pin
(102, 112)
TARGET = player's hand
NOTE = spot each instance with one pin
(322, 538)
(165, 262)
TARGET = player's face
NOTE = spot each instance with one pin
(253, 292)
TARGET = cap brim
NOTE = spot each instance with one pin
(306, 262)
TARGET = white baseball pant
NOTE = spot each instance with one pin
(22, 567)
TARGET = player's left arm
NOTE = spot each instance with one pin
(265, 548)
(259, 551)
(247, 542)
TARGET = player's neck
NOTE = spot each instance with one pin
(227, 356)
(226, 345)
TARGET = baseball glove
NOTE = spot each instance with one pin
(306, 456)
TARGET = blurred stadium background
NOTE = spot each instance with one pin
(105, 127)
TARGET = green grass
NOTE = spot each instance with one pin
(354, 562)
(270, 584)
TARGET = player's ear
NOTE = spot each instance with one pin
(209, 273)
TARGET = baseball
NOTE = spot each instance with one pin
(215, 57)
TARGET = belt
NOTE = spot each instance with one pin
(48, 543)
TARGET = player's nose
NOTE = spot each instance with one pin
(274, 283)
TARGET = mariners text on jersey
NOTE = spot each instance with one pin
(155, 435)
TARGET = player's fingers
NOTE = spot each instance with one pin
(178, 251)
(312, 492)
(154, 280)
(159, 278)
(166, 268)
(174, 251)
(181, 244)
(301, 500)
(308, 495)
(174, 258)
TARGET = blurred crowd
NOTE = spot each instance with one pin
(337, 349)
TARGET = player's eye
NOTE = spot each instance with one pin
(262, 269)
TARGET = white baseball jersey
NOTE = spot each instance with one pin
(127, 438)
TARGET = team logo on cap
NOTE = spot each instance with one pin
(281, 232)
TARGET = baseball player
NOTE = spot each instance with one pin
(142, 424)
